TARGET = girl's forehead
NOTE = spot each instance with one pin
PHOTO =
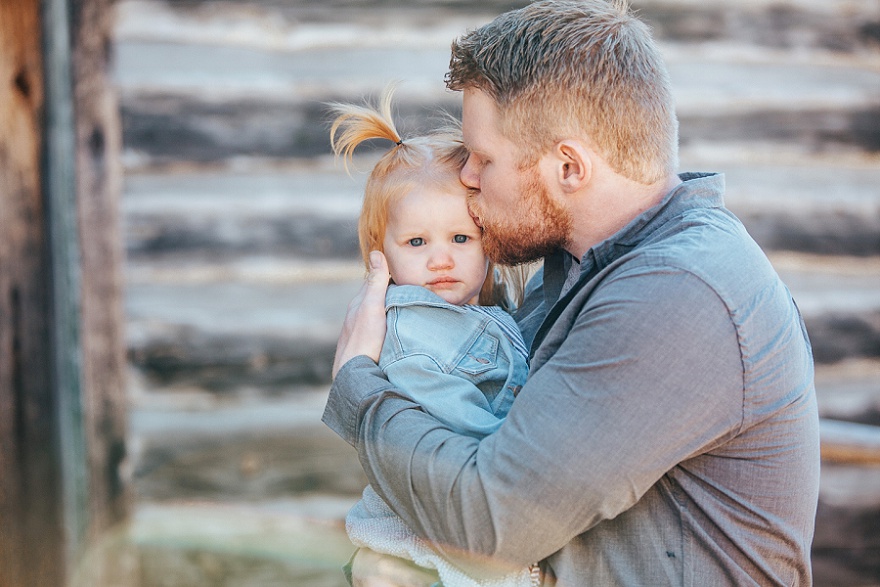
(431, 205)
(447, 195)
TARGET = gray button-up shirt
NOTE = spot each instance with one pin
(667, 434)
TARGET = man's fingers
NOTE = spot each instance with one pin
(378, 270)
(364, 327)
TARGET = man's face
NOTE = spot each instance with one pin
(521, 221)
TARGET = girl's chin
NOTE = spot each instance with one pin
(449, 296)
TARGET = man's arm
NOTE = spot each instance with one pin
(640, 383)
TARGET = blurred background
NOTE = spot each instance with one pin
(242, 255)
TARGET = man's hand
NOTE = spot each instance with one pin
(363, 330)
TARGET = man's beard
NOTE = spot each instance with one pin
(536, 227)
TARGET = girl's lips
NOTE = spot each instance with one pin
(442, 281)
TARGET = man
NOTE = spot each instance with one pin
(668, 431)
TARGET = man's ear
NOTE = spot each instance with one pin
(574, 164)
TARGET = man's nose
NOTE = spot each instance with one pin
(469, 176)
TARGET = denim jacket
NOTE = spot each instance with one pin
(464, 366)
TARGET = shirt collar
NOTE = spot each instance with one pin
(697, 190)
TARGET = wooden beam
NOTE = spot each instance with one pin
(30, 505)
(59, 195)
(62, 363)
(848, 442)
(99, 187)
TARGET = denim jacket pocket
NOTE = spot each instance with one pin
(482, 356)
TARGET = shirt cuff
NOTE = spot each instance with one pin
(355, 381)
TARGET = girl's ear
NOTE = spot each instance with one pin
(574, 165)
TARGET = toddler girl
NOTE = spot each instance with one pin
(449, 342)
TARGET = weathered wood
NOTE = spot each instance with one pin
(58, 174)
(62, 395)
(851, 443)
(31, 546)
(99, 176)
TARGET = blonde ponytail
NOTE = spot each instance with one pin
(355, 124)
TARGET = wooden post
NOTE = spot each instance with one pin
(98, 139)
(58, 175)
(62, 395)
(29, 479)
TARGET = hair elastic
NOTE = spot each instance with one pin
(398, 143)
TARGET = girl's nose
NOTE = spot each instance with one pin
(440, 258)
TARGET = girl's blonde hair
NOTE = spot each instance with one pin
(434, 159)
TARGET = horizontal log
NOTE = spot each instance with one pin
(849, 442)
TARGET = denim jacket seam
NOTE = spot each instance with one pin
(403, 356)
(445, 358)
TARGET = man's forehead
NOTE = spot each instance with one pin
(477, 102)
(478, 115)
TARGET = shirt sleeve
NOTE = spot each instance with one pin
(649, 374)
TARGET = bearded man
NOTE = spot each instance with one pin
(668, 430)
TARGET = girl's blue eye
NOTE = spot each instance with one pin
(460, 238)
(417, 242)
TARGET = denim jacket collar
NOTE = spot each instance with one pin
(410, 295)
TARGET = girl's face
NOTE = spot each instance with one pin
(432, 241)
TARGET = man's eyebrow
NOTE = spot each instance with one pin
(473, 149)
(469, 145)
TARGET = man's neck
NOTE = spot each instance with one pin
(612, 204)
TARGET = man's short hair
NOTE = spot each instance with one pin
(589, 69)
